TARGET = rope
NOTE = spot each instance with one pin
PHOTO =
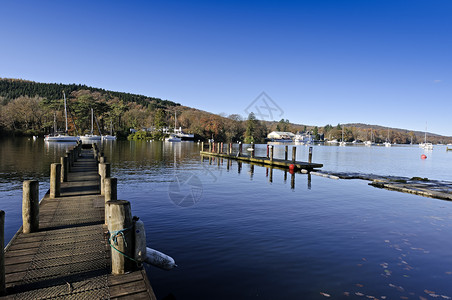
(114, 236)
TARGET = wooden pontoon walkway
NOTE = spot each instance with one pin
(266, 161)
(69, 257)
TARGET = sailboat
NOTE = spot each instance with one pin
(173, 137)
(91, 137)
(425, 145)
(61, 137)
(369, 143)
(109, 137)
(342, 143)
(387, 143)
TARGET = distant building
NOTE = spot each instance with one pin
(280, 136)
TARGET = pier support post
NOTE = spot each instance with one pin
(69, 164)
(218, 150)
(30, 206)
(102, 159)
(64, 168)
(271, 153)
(286, 151)
(104, 172)
(210, 147)
(253, 147)
(268, 148)
(202, 146)
(221, 147)
(294, 153)
(240, 149)
(120, 219)
(310, 155)
(111, 192)
(2, 253)
(55, 180)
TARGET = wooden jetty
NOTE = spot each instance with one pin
(218, 150)
(69, 256)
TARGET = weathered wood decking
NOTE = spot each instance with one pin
(266, 161)
(69, 257)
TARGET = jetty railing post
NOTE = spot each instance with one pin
(218, 150)
(104, 172)
(55, 180)
(111, 192)
(210, 147)
(271, 153)
(240, 149)
(310, 155)
(253, 146)
(30, 206)
(221, 148)
(294, 153)
(268, 147)
(64, 168)
(228, 149)
(286, 150)
(69, 164)
(120, 219)
(202, 146)
(2, 253)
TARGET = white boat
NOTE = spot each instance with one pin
(333, 142)
(303, 138)
(425, 145)
(61, 137)
(342, 142)
(87, 138)
(387, 143)
(370, 143)
(109, 137)
(173, 138)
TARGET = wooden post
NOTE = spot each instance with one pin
(310, 155)
(2, 253)
(294, 153)
(55, 180)
(292, 180)
(230, 148)
(69, 164)
(221, 147)
(271, 153)
(270, 178)
(102, 159)
(104, 172)
(286, 151)
(210, 147)
(30, 206)
(111, 192)
(218, 150)
(202, 146)
(120, 219)
(240, 149)
(253, 147)
(64, 169)
(268, 147)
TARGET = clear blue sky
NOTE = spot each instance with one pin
(370, 61)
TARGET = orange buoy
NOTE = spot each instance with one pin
(292, 167)
(423, 156)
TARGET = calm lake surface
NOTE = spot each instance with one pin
(241, 231)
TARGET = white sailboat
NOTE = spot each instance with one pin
(425, 145)
(342, 142)
(387, 143)
(87, 138)
(369, 143)
(61, 137)
(173, 137)
(109, 137)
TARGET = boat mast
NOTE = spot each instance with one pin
(65, 110)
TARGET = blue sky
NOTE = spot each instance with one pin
(370, 61)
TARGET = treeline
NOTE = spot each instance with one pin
(14, 88)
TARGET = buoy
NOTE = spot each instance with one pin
(291, 167)
(423, 156)
(159, 259)
(140, 240)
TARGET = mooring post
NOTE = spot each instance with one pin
(2, 253)
(120, 220)
(218, 150)
(30, 206)
(286, 150)
(102, 159)
(64, 168)
(268, 147)
(310, 155)
(111, 192)
(55, 180)
(240, 148)
(221, 147)
(210, 147)
(104, 172)
(294, 153)
(202, 146)
(230, 148)
(253, 147)
(213, 148)
(69, 164)
(271, 153)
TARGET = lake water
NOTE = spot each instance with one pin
(239, 231)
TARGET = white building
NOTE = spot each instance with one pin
(281, 136)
